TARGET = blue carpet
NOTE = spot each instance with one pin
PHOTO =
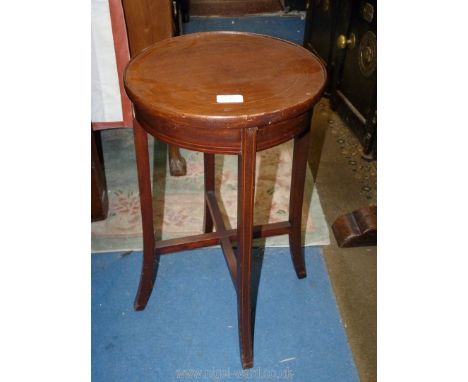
(286, 27)
(189, 327)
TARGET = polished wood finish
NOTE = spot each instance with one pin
(226, 141)
(150, 21)
(301, 150)
(357, 229)
(168, 246)
(176, 81)
(173, 86)
(245, 203)
(209, 169)
(99, 199)
(225, 241)
(150, 256)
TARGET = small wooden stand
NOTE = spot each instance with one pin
(174, 87)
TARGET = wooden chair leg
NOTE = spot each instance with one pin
(177, 164)
(150, 259)
(245, 211)
(209, 167)
(299, 167)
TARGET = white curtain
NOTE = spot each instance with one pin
(106, 103)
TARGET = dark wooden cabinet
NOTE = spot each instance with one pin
(319, 29)
(293, 5)
(343, 33)
(99, 201)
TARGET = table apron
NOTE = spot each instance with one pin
(220, 141)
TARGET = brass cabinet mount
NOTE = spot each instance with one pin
(342, 42)
(367, 12)
(367, 55)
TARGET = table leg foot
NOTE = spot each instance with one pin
(297, 255)
(144, 289)
(247, 364)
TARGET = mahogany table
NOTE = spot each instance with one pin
(224, 93)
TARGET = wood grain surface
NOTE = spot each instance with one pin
(179, 79)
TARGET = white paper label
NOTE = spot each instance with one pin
(229, 98)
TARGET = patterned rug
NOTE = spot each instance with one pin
(364, 172)
(178, 201)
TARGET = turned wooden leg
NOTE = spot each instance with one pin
(150, 259)
(209, 167)
(245, 211)
(177, 164)
(299, 167)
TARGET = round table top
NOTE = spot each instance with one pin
(261, 79)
